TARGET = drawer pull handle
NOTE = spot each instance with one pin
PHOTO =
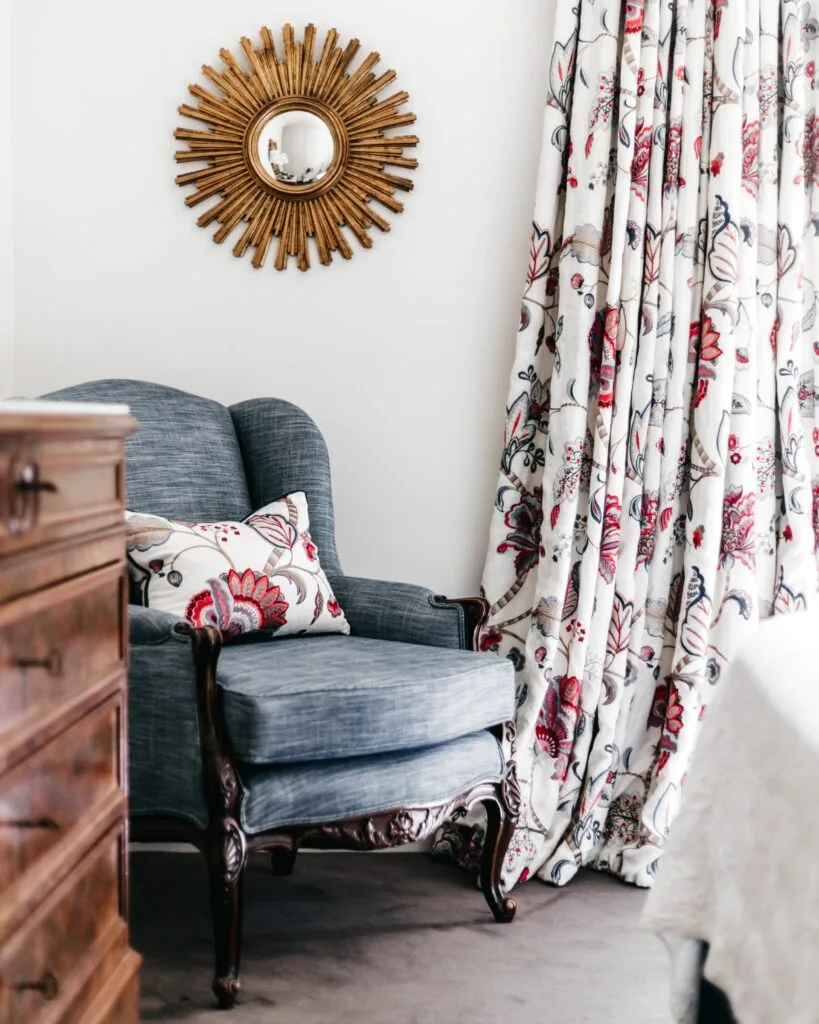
(49, 824)
(47, 986)
(24, 495)
(31, 485)
(52, 663)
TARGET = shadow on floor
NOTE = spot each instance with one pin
(397, 939)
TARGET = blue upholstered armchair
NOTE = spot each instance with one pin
(365, 741)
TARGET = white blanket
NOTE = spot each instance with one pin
(740, 871)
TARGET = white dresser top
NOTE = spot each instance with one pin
(43, 407)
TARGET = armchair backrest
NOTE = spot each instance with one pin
(284, 451)
(195, 459)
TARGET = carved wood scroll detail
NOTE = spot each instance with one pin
(510, 787)
(402, 826)
(232, 849)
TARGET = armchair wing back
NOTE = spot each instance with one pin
(284, 451)
(195, 459)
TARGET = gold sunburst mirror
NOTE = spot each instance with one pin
(296, 148)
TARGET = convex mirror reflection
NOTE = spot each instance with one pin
(295, 148)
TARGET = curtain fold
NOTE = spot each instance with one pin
(659, 482)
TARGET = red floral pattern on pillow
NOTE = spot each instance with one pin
(237, 604)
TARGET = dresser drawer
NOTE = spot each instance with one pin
(39, 965)
(59, 643)
(43, 568)
(57, 788)
(56, 487)
(118, 1002)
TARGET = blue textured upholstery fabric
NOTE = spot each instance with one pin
(283, 452)
(335, 790)
(184, 462)
(165, 769)
(325, 727)
(322, 697)
(399, 611)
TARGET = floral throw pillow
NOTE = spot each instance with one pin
(263, 573)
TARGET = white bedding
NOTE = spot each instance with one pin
(740, 871)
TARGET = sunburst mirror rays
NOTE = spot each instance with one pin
(296, 147)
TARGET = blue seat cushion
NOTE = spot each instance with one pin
(324, 697)
(303, 794)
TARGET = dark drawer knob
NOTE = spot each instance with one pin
(52, 663)
(47, 986)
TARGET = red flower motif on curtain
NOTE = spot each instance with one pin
(490, 639)
(774, 336)
(648, 524)
(750, 155)
(672, 727)
(557, 721)
(719, 6)
(635, 9)
(641, 159)
(605, 397)
(524, 520)
(610, 538)
(703, 348)
(709, 347)
(659, 705)
(603, 351)
(611, 324)
(693, 340)
(737, 529)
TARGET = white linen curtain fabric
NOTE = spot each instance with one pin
(659, 484)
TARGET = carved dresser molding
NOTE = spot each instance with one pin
(64, 953)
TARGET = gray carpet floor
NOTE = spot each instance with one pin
(397, 939)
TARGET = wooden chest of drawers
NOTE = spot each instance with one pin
(64, 954)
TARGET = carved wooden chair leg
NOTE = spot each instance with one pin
(226, 865)
(499, 830)
(282, 861)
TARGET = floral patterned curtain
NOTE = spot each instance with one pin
(659, 485)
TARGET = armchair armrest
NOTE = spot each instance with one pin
(408, 613)
(165, 774)
(149, 626)
(181, 763)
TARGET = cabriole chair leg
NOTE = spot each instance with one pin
(499, 830)
(226, 865)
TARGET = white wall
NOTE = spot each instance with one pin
(402, 355)
(6, 212)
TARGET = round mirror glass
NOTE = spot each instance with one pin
(295, 148)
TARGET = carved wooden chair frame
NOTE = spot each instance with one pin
(226, 845)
